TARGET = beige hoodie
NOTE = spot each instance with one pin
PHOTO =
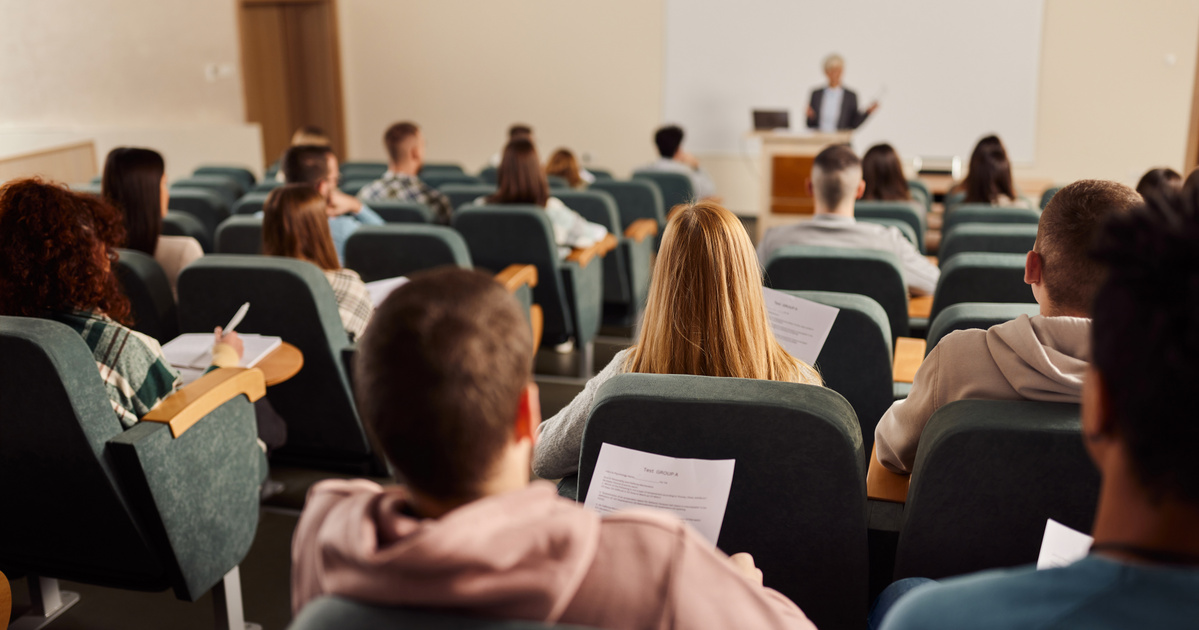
(526, 554)
(1029, 358)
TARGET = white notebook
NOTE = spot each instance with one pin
(191, 353)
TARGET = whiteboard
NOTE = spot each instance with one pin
(953, 70)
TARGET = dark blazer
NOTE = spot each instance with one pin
(850, 117)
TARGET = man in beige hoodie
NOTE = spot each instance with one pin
(1030, 358)
(445, 390)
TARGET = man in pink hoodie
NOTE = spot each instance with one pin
(445, 390)
(1039, 358)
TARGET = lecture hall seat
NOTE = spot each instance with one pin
(208, 207)
(438, 179)
(981, 277)
(968, 315)
(906, 211)
(177, 223)
(676, 188)
(239, 234)
(227, 187)
(904, 228)
(982, 213)
(149, 293)
(996, 238)
(250, 203)
(463, 194)
(243, 175)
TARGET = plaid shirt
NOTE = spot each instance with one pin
(402, 187)
(135, 372)
(353, 301)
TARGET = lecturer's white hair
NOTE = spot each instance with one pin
(833, 61)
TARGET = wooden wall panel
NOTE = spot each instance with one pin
(69, 164)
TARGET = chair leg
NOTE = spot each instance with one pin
(226, 597)
(586, 360)
(48, 603)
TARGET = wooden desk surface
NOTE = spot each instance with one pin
(921, 306)
(909, 354)
(281, 364)
(884, 485)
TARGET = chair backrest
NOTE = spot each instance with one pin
(207, 206)
(968, 315)
(635, 199)
(490, 175)
(856, 359)
(228, 187)
(462, 194)
(875, 274)
(177, 223)
(599, 207)
(149, 294)
(377, 252)
(999, 238)
(250, 203)
(987, 476)
(557, 182)
(90, 188)
(498, 236)
(291, 299)
(333, 613)
(363, 170)
(676, 188)
(353, 185)
(904, 227)
(239, 235)
(952, 199)
(905, 211)
(266, 185)
(982, 213)
(1047, 195)
(798, 499)
(429, 168)
(600, 173)
(393, 211)
(241, 174)
(981, 277)
(438, 179)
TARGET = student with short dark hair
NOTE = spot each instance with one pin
(406, 154)
(445, 390)
(1159, 181)
(135, 182)
(1029, 358)
(673, 159)
(317, 167)
(836, 183)
(1138, 425)
(883, 174)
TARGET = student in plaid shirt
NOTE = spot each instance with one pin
(406, 147)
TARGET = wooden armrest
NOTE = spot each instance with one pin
(641, 229)
(5, 600)
(933, 260)
(537, 319)
(514, 277)
(583, 255)
(920, 306)
(884, 485)
(909, 354)
(185, 407)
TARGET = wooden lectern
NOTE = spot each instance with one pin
(784, 167)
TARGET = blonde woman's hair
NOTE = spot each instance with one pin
(706, 314)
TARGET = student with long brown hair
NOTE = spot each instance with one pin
(564, 164)
(883, 174)
(990, 177)
(294, 225)
(705, 316)
(521, 180)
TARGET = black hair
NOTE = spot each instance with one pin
(132, 182)
(669, 139)
(306, 164)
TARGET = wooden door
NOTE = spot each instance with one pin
(291, 69)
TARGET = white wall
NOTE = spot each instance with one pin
(125, 72)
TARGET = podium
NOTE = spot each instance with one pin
(784, 167)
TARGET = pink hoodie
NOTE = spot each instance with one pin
(1029, 358)
(526, 554)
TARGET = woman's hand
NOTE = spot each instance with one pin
(231, 339)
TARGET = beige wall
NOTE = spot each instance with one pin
(584, 74)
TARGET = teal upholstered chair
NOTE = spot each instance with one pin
(489, 175)
(981, 213)
(207, 206)
(90, 188)
(363, 170)
(557, 183)
(856, 359)
(227, 187)
(904, 228)
(1047, 195)
(272, 170)
(393, 211)
(987, 476)
(968, 315)
(953, 198)
(917, 187)
(335, 613)
(428, 168)
(904, 211)
(676, 188)
(439, 179)
(626, 269)
(600, 173)
(378, 252)
(999, 238)
(266, 185)
(635, 199)
(149, 294)
(290, 299)
(250, 203)
(798, 499)
(177, 223)
(462, 194)
(239, 235)
(570, 294)
(981, 277)
(164, 504)
(875, 274)
(243, 175)
(353, 185)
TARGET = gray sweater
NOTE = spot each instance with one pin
(561, 439)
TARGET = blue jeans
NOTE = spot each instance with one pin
(889, 596)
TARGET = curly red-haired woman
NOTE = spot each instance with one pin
(55, 263)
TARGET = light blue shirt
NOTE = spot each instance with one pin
(1093, 593)
(830, 108)
(341, 227)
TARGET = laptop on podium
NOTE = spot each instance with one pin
(767, 119)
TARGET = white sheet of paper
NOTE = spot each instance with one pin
(800, 325)
(191, 353)
(695, 490)
(1062, 546)
(380, 289)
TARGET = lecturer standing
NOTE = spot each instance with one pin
(835, 108)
